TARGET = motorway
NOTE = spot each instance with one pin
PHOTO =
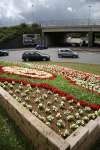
(84, 56)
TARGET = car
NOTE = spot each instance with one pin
(35, 56)
(4, 53)
(40, 47)
(67, 53)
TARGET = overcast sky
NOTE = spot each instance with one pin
(14, 12)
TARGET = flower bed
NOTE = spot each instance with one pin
(83, 79)
(33, 73)
(86, 80)
(59, 110)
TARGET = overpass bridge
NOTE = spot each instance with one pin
(50, 33)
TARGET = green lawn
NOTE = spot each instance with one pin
(11, 138)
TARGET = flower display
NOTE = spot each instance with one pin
(58, 109)
(41, 103)
(33, 73)
(83, 79)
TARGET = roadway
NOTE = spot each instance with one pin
(84, 56)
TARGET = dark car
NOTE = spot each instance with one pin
(4, 53)
(35, 56)
(67, 53)
(39, 47)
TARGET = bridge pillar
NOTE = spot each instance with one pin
(45, 40)
(90, 39)
(42, 38)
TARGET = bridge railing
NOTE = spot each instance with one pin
(69, 22)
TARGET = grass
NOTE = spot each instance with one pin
(91, 68)
(10, 136)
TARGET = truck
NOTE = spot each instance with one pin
(75, 41)
(31, 39)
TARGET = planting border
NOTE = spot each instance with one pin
(44, 138)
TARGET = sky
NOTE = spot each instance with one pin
(13, 12)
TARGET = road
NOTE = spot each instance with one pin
(84, 57)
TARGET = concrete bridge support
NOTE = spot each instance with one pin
(91, 38)
(45, 39)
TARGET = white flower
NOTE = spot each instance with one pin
(38, 91)
(78, 104)
(35, 113)
(27, 99)
(37, 100)
(71, 107)
(73, 126)
(70, 118)
(85, 118)
(67, 112)
(48, 123)
(71, 101)
(23, 94)
(54, 108)
(44, 96)
(20, 87)
(88, 109)
(19, 100)
(17, 91)
(92, 116)
(81, 111)
(24, 104)
(49, 103)
(63, 98)
(14, 95)
(55, 99)
(49, 92)
(62, 104)
(6, 83)
(10, 92)
(58, 116)
(50, 118)
(27, 91)
(11, 86)
(28, 85)
(77, 115)
(48, 111)
(40, 106)
(82, 123)
(66, 133)
(13, 82)
(78, 122)
(56, 95)
(60, 124)
(42, 118)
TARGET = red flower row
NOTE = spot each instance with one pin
(54, 90)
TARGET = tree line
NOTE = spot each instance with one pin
(11, 37)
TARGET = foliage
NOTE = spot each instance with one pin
(8, 34)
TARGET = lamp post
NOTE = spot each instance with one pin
(90, 33)
(89, 15)
(33, 13)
